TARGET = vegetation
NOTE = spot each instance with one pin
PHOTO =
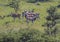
(20, 31)
(23, 35)
(27, 35)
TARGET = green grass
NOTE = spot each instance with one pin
(42, 8)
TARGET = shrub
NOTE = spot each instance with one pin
(8, 39)
(27, 35)
(30, 35)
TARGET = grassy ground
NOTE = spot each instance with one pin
(42, 8)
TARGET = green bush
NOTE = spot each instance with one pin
(26, 35)
(30, 35)
(23, 35)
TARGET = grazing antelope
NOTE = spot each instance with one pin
(14, 15)
(30, 16)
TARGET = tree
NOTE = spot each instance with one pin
(51, 21)
(51, 10)
(14, 4)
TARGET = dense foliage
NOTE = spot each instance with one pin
(27, 35)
